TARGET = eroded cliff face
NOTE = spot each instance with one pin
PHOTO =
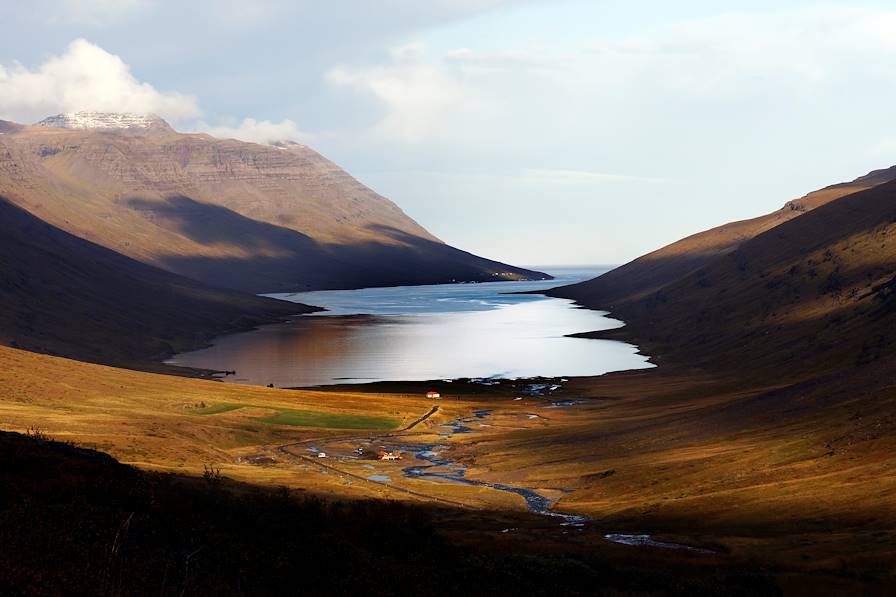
(254, 217)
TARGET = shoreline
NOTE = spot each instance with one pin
(565, 324)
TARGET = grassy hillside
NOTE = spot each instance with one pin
(653, 271)
(814, 293)
(63, 295)
(175, 423)
(769, 419)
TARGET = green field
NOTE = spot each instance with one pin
(216, 409)
(305, 418)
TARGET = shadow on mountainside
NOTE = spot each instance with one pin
(279, 259)
(657, 269)
(60, 294)
(813, 294)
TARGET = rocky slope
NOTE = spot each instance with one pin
(62, 295)
(233, 214)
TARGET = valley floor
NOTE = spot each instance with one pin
(797, 480)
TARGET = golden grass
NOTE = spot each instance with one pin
(151, 420)
(674, 453)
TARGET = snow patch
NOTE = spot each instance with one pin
(104, 120)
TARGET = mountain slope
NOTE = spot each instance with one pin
(654, 270)
(62, 295)
(817, 288)
(232, 214)
(813, 294)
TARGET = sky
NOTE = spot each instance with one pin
(531, 131)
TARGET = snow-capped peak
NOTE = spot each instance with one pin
(105, 120)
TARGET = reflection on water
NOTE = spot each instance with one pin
(420, 333)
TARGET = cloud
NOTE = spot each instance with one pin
(418, 97)
(85, 77)
(685, 72)
(256, 131)
(714, 119)
(407, 52)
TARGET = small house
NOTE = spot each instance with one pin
(433, 394)
(383, 455)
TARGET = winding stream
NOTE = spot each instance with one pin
(453, 472)
(643, 540)
(440, 468)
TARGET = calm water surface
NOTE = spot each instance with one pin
(424, 332)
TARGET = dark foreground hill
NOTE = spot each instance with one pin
(60, 294)
(76, 522)
(256, 218)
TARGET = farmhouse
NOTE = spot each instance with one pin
(433, 394)
(383, 455)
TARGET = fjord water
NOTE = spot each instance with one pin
(417, 333)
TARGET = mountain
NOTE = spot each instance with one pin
(106, 121)
(256, 218)
(772, 403)
(816, 292)
(649, 273)
(60, 294)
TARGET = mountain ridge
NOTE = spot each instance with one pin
(651, 272)
(255, 218)
(812, 294)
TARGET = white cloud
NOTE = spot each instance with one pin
(693, 69)
(85, 77)
(407, 52)
(714, 119)
(256, 131)
(418, 97)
